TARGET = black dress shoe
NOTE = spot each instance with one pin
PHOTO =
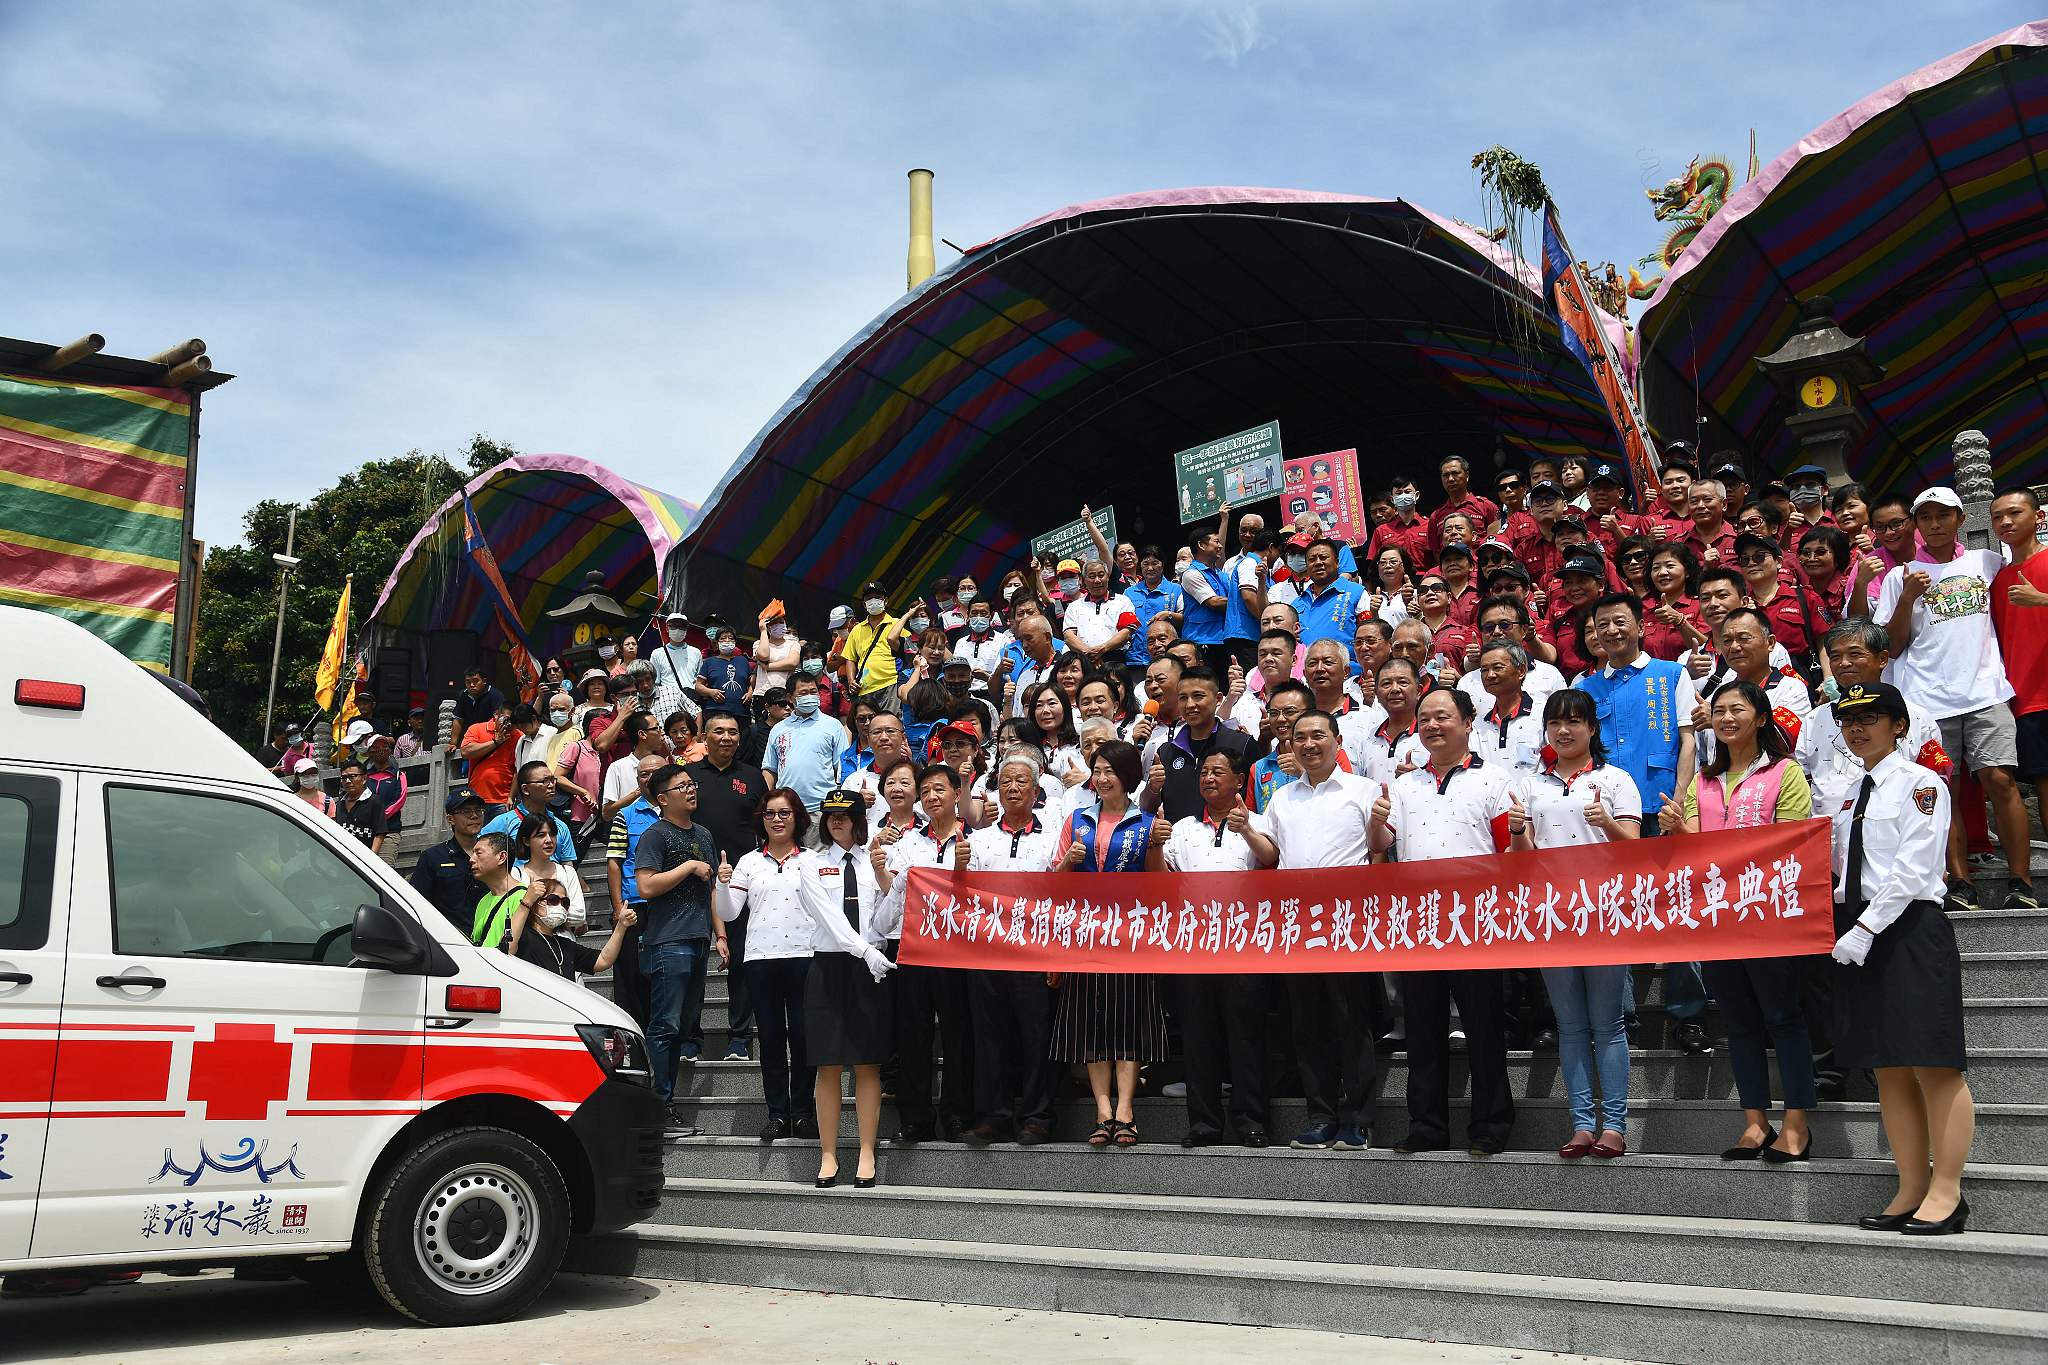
(774, 1130)
(806, 1128)
(1204, 1140)
(1255, 1137)
(864, 1182)
(981, 1134)
(1741, 1153)
(1884, 1222)
(1778, 1156)
(826, 1182)
(913, 1136)
(1691, 1039)
(1032, 1134)
(1955, 1222)
(1415, 1142)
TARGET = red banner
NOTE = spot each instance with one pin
(1763, 892)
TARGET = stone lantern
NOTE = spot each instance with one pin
(592, 617)
(1820, 367)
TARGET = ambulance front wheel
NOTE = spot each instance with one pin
(468, 1227)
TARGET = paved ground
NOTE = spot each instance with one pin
(589, 1319)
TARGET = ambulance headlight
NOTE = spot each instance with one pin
(620, 1051)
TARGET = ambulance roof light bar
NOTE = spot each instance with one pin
(53, 696)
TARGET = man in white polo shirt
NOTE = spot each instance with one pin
(1946, 660)
(1098, 624)
(1321, 820)
(1455, 806)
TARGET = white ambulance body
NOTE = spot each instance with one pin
(228, 1031)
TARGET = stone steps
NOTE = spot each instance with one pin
(2015, 1133)
(1978, 1269)
(1524, 1310)
(2003, 1198)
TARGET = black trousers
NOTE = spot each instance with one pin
(1013, 1070)
(629, 984)
(1336, 1019)
(924, 995)
(786, 1073)
(739, 991)
(1478, 993)
(1223, 1036)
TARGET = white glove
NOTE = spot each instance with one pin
(878, 962)
(1852, 947)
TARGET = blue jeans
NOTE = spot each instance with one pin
(675, 991)
(1590, 1039)
(1685, 993)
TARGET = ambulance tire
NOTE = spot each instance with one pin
(468, 1227)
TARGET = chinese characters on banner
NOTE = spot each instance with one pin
(1762, 892)
(1072, 541)
(1234, 469)
(1328, 486)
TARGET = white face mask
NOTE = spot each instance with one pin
(553, 916)
(1405, 502)
(978, 624)
(559, 719)
(1297, 563)
(678, 637)
(607, 651)
(1010, 590)
(726, 646)
(777, 631)
(967, 595)
(919, 624)
(308, 781)
(873, 606)
(1070, 585)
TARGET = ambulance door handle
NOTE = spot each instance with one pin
(155, 983)
(15, 978)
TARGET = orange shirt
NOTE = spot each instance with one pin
(490, 777)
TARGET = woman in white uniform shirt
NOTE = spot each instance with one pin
(1576, 798)
(1899, 982)
(769, 883)
(847, 1012)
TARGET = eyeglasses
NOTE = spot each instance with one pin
(1508, 485)
(778, 815)
(1497, 627)
(683, 786)
(547, 781)
(1753, 558)
(1894, 526)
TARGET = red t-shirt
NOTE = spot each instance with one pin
(1725, 543)
(1798, 618)
(490, 777)
(1410, 537)
(1668, 642)
(2023, 634)
(1481, 511)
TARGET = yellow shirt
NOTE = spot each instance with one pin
(880, 669)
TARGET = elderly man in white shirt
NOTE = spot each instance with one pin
(1858, 650)
(1509, 730)
(1321, 820)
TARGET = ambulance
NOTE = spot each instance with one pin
(230, 1032)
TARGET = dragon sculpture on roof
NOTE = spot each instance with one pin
(1689, 202)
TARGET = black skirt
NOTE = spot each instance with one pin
(847, 1013)
(1109, 1017)
(1904, 1005)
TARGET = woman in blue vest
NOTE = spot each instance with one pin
(1110, 1021)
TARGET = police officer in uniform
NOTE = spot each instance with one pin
(1899, 979)
(442, 874)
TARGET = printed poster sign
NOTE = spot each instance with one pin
(1071, 540)
(1762, 892)
(1239, 469)
(1328, 486)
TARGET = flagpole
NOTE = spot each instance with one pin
(285, 564)
(1612, 359)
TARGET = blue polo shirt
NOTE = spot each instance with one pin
(1331, 614)
(627, 827)
(1148, 603)
(804, 755)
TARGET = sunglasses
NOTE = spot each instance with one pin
(1635, 557)
(1754, 557)
(778, 815)
(554, 900)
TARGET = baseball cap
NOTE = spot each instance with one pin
(956, 661)
(1585, 564)
(1728, 469)
(1496, 543)
(1455, 547)
(966, 728)
(682, 616)
(1546, 488)
(1807, 471)
(417, 711)
(305, 765)
(839, 617)
(459, 797)
(357, 732)
(1066, 564)
(1945, 497)
(1773, 486)
(1573, 518)
(1605, 473)
(1881, 696)
(1749, 539)
(1512, 569)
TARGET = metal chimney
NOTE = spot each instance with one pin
(922, 261)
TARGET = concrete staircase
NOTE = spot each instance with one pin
(1668, 1254)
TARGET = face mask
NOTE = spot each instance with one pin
(308, 781)
(978, 624)
(1806, 495)
(1405, 502)
(1830, 691)
(958, 689)
(946, 604)
(1070, 585)
(552, 916)
(920, 624)
(967, 595)
(1297, 563)
(777, 631)
(607, 651)
(559, 719)
(678, 637)
(726, 646)
(814, 667)
(874, 606)
(807, 705)
(1010, 590)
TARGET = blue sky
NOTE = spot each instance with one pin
(628, 231)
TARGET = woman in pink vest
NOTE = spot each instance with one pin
(1751, 780)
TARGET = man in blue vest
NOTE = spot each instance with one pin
(1645, 710)
(1245, 574)
(1205, 595)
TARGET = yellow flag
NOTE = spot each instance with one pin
(349, 711)
(336, 654)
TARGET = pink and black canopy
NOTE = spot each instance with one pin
(1922, 211)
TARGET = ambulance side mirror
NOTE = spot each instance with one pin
(384, 938)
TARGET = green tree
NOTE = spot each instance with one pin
(359, 526)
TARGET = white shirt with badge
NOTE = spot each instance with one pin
(823, 878)
(1951, 665)
(1199, 844)
(1785, 691)
(1032, 849)
(1905, 841)
(1451, 816)
(1541, 680)
(1321, 824)
(982, 652)
(1557, 805)
(1382, 751)
(1832, 768)
(771, 892)
(1517, 741)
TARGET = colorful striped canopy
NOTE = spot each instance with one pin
(549, 519)
(1065, 361)
(1922, 211)
(92, 506)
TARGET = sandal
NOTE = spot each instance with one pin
(1126, 1134)
(1103, 1133)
